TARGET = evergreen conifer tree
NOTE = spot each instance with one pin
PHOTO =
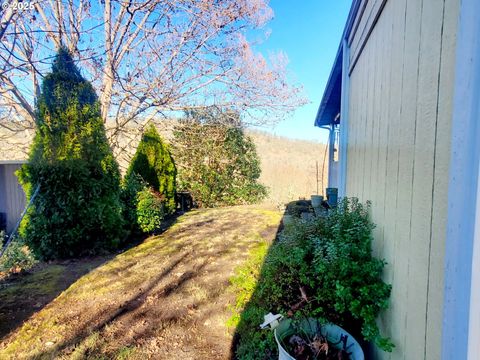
(78, 209)
(154, 163)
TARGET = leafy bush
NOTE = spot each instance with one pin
(328, 262)
(150, 210)
(132, 185)
(17, 257)
(144, 208)
(154, 163)
(78, 209)
(216, 162)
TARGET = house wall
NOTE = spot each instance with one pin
(401, 68)
(12, 197)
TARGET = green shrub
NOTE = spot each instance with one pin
(132, 185)
(144, 208)
(78, 209)
(352, 289)
(150, 210)
(154, 163)
(329, 260)
(217, 163)
(17, 256)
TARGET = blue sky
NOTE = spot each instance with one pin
(309, 32)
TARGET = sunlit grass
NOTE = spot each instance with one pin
(69, 327)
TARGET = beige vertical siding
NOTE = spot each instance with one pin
(12, 199)
(401, 86)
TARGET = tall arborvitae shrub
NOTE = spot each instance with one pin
(78, 209)
(154, 164)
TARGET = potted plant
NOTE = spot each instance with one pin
(310, 339)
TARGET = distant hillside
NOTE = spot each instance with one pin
(289, 166)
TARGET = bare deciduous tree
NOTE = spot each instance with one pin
(145, 59)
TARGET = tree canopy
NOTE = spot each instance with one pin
(146, 59)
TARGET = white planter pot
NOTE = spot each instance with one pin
(332, 332)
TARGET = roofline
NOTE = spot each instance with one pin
(354, 9)
(12, 162)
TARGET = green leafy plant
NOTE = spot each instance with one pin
(150, 210)
(353, 291)
(17, 256)
(323, 269)
(78, 209)
(154, 164)
(131, 186)
(216, 161)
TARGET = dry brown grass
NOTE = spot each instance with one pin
(289, 166)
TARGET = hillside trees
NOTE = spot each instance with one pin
(216, 161)
(146, 59)
(77, 210)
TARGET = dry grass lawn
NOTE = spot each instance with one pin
(166, 298)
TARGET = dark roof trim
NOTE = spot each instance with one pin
(12, 162)
(331, 100)
(330, 104)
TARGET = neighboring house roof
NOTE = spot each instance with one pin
(14, 146)
(12, 162)
(330, 105)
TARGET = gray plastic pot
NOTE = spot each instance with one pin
(332, 332)
(317, 201)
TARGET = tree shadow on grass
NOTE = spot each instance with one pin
(139, 318)
(168, 295)
(99, 321)
(23, 294)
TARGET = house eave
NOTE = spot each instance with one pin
(330, 105)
